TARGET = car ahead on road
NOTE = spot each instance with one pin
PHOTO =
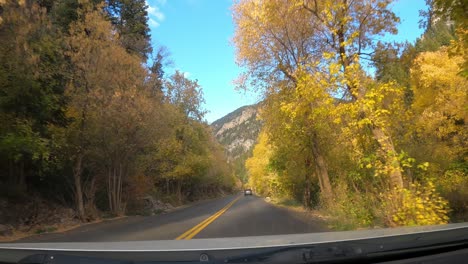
(423, 244)
(247, 192)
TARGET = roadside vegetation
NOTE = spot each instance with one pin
(89, 119)
(368, 132)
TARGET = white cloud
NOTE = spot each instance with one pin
(187, 74)
(156, 16)
(153, 23)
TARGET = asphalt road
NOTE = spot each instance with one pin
(231, 216)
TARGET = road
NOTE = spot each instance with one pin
(231, 216)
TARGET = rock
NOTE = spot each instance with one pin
(268, 199)
(5, 230)
(156, 206)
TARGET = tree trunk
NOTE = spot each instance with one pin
(109, 196)
(179, 192)
(167, 187)
(21, 180)
(118, 194)
(322, 171)
(111, 187)
(307, 192)
(396, 178)
(11, 169)
(89, 194)
(114, 188)
(78, 190)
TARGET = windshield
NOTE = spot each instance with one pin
(143, 120)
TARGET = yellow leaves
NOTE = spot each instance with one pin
(335, 68)
(417, 205)
(371, 119)
(423, 166)
(289, 109)
(328, 55)
(435, 73)
(440, 100)
(364, 122)
(337, 120)
(257, 165)
(381, 105)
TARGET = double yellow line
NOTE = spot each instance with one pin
(189, 234)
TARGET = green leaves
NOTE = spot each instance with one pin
(21, 142)
(80, 111)
(130, 18)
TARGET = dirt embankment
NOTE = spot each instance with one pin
(33, 216)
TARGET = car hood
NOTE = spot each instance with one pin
(186, 250)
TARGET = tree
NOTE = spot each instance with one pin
(348, 29)
(274, 40)
(453, 11)
(156, 78)
(440, 96)
(184, 156)
(281, 42)
(105, 82)
(185, 94)
(258, 166)
(31, 96)
(86, 123)
(130, 17)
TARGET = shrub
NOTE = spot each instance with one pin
(417, 205)
(47, 229)
(350, 209)
(453, 186)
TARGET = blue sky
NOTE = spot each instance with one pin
(197, 34)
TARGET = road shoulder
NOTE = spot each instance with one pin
(302, 213)
(18, 236)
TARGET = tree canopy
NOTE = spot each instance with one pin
(358, 145)
(87, 123)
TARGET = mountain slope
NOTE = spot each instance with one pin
(238, 131)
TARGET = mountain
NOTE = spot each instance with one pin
(238, 132)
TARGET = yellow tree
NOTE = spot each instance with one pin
(299, 123)
(279, 41)
(273, 41)
(440, 102)
(440, 122)
(258, 166)
(349, 30)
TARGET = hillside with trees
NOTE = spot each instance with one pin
(237, 132)
(90, 120)
(368, 132)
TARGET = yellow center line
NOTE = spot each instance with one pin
(189, 234)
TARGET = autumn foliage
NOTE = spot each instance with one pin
(371, 133)
(88, 122)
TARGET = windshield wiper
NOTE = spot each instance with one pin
(326, 253)
(351, 252)
(71, 259)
